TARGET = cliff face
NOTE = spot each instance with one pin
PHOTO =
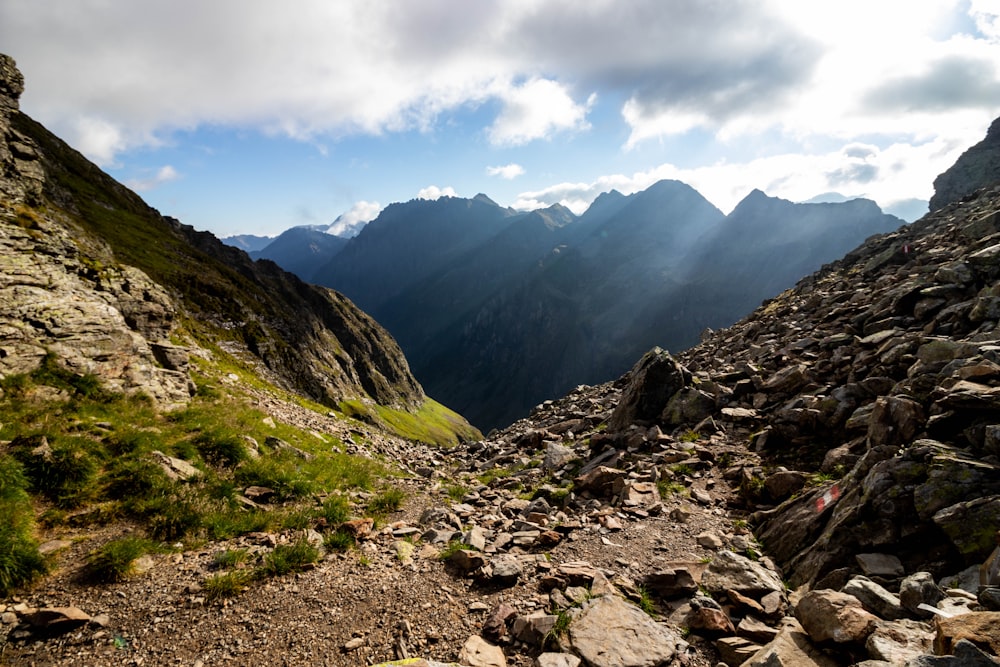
(978, 167)
(96, 277)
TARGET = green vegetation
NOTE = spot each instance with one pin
(646, 601)
(227, 584)
(669, 488)
(450, 549)
(20, 561)
(86, 455)
(289, 558)
(115, 561)
(338, 540)
(230, 558)
(433, 424)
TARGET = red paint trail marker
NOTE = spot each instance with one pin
(828, 498)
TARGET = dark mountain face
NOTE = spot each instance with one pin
(521, 307)
(301, 250)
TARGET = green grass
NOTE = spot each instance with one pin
(230, 558)
(289, 558)
(115, 561)
(646, 601)
(227, 584)
(669, 488)
(20, 561)
(386, 502)
(338, 540)
(433, 423)
(336, 510)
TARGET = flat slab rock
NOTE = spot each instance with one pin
(609, 632)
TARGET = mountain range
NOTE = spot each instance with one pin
(498, 309)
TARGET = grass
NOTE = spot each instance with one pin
(287, 558)
(646, 601)
(230, 558)
(115, 561)
(386, 502)
(669, 488)
(433, 423)
(450, 550)
(20, 561)
(338, 540)
(227, 584)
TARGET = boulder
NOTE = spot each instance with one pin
(833, 616)
(652, 382)
(980, 628)
(729, 570)
(477, 652)
(790, 648)
(609, 632)
(875, 598)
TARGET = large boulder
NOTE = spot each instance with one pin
(652, 383)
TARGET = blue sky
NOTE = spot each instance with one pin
(251, 116)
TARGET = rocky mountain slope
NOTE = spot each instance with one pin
(113, 288)
(497, 310)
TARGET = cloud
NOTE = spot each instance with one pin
(350, 223)
(507, 171)
(164, 174)
(536, 109)
(953, 81)
(904, 172)
(434, 192)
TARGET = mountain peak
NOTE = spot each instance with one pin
(482, 198)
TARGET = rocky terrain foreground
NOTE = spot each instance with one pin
(818, 484)
(849, 424)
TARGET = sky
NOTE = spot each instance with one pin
(253, 116)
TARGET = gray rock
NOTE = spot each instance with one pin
(557, 660)
(532, 629)
(477, 652)
(896, 643)
(609, 632)
(729, 570)
(833, 616)
(652, 382)
(966, 654)
(506, 570)
(875, 598)
(880, 565)
(791, 648)
(919, 588)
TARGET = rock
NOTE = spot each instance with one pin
(557, 660)
(609, 632)
(477, 652)
(880, 565)
(780, 485)
(966, 654)
(557, 456)
(875, 598)
(652, 383)
(354, 644)
(980, 628)
(56, 619)
(175, 469)
(495, 626)
(729, 570)
(533, 628)
(756, 630)
(467, 560)
(359, 529)
(506, 570)
(833, 616)
(709, 540)
(896, 643)
(674, 581)
(919, 588)
(707, 617)
(956, 520)
(734, 651)
(790, 648)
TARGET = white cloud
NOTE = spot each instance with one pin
(536, 109)
(888, 176)
(350, 223)
(434, 192)
(164, 174)
(507, 171)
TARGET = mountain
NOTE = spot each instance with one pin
(301, 250)
(111, 287)
(248, 243)
(975, 168)
(507, 308)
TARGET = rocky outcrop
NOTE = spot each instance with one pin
(61, 297)
(101, 280)
(976, 168)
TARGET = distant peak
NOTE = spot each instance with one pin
(485, 200)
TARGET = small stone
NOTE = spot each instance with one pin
(557, 660)
(354, 644)
(477, 652)
(709, 540)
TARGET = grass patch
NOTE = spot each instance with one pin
(115, 561)
(227, 584)
(338, 540)
(669, 488)
(336, 510)
(386, 502)
(433, 423)
(20, 561)
(230, 558)
(287, 558)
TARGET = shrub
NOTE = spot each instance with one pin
(63, 472)
(115, 561)
(289, 557)
(135, 479)
(170, 517)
